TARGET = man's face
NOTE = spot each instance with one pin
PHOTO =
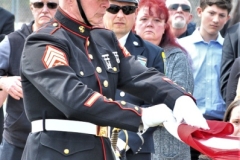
(95, 10)
(120, 23)
(43, 10)
(213, 19)
(179, 13)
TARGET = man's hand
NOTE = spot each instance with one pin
(155, 115)
(185, 110)
(12, 85)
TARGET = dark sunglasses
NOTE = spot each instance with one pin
(114, 9)
(50, 5)
(184, 7)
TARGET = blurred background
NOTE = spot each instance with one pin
(20, 8)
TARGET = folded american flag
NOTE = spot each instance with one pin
(215, 142)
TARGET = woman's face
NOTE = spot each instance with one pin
(149, 27)
(235, 120)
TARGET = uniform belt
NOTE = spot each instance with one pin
(69, 126)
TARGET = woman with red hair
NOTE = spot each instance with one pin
(151, 25)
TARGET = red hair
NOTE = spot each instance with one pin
(168, 37)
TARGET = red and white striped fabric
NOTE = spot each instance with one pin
(215, 142)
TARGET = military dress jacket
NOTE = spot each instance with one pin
(71, 71)
(150, 56)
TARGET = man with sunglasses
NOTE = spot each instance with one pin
(180, 17)
(16, 125)
(120, 18)
(70, 71)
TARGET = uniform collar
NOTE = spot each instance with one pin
(72, 25)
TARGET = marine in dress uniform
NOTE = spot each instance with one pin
(70, 72)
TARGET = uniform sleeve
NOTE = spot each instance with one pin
(4, 56)
(45, 63)
(146, 83)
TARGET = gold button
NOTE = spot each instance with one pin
(90, 56)
(88, 43)
(114, 69)
(81, 73)
(122, 94)
(105, 83)
(55, 24)
(123, 103)
(99, 69)
(66, 151)
(189, 92)
(136, 108)
(81, 29)
(110, 99)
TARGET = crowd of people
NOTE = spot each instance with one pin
(81, 69)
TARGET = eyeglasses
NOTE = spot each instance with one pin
(50, 5)
(184, 7)
(114, 9)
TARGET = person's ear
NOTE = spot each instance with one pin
(228, 17)
(189, 18)
(199, 11)
(30, 6)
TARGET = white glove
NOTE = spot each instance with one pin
(155, 115)
(186, 110)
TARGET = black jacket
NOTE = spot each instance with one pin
(190, 29)
(233, 82)
(230, 51)
(6, 23)
(16, 125)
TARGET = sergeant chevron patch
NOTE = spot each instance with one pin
(54, 57)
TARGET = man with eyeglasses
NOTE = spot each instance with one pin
(16, 125)
(120, 18)
(70, 71)
(180, 17)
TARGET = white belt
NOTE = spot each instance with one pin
(67, 126)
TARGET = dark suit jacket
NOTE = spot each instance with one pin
(233, 81)
(230, 51)
(142, 50)
(6, 23)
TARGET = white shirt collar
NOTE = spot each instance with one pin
(123, 40)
